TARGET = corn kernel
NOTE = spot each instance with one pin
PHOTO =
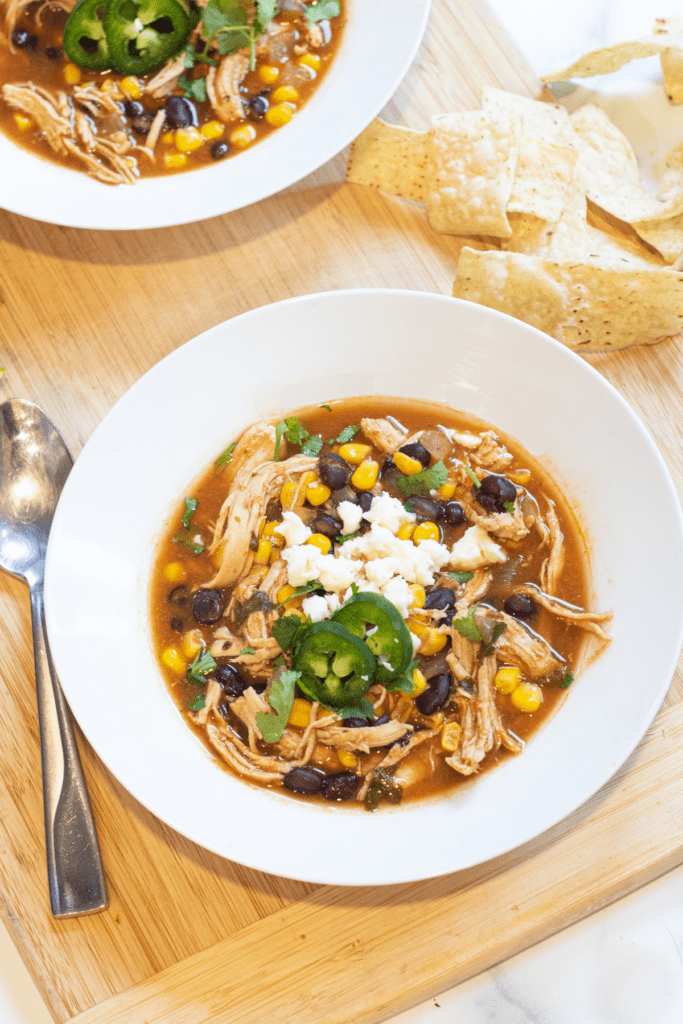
(173, 660)
(450, 737)
(527, 697)
(188, 139)
(286, 94)
(507, 679)
(287, 493)
(263, 551)
(268, 73)
(365, 477)
(432, 642)
(259, 571)
(317, 493)
(347, 759)
(284, 593)
(279, 114)
(174, 572)
(419, 683)
(435, 720)
(416, 627)
(110, 86)
(296, 611)
(131, 87)
(354, 452)
(426, 531)
(520, 476)
(22, 122)
(302, 485)
(192, 643)
(320, 541)
(276, 539)
(403, 709)
(174, 161)
(407, 465)
(300, 715)
(243, 136)
(405, 531)
(217, 557)
(212, 130)
(72, 74)
(262, 526)
(168, 138)
(311, 60)
(447, 491)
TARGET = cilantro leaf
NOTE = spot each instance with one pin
(305, 588)
(383, 787)
(322, 10)
(347, 433)
(406, 682)
(248, 650)
(408, 506)
(428, 480)
(312, 446)
(225, 457)
(461, 577)
(201, 666)
(193, 88)
(296, 433)
(190, 509)
(487, 648)
(473, 476)
(346, 536)
(325, 405)
(196, 549)
(286, 629)
(467, 627)
(567, 680)
(280, 698)
(509, 506)
(363, 709)
(197, 704)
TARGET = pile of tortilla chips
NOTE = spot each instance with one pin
(567, 237)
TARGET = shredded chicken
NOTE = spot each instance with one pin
(223, 86)
(481, 726)
(519, 645)
(491, 454)
(164, 82)
(365, 737)
(553, 564)
(397, 753)
(383, 435)
(580, 617)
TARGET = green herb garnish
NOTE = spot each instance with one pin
(363, 709)
(487, 648)
(187, 542)
(325, 405)
(234, 27)
(420, 483)
(248, 650)
(295, 432)
(473, 477)
(200, 668)
(567, 680)
(467, 626)
(347, 433)
(190, 509)
(286, 629)
(346, 536)
(225, 457)
(509, 506)
(461, 577)
(280, 698)
(322, 10)
(193, 88)
(383, 787)
(305, 588)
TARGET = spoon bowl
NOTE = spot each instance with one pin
(34, 465)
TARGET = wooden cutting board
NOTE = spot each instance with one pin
(190, 938)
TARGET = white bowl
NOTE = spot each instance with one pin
(169, 427)
(377, 48)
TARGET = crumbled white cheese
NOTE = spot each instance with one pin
(337, 574)
(316, 607)
(333, 602)
(381, 570)
(474, 550)
(417, 641)
(399, 593)
(293, 529)
(388, 512)
(350, 515)
(415, 563)
(303, 563)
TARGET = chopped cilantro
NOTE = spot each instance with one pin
(346, 536)
(487, 648)
(322, 9)
(196, 549)
(196, 704)
(312, 446)
(383, 787)
(461, 577)
(325, 405)
(225, 457)
(420, 483)
(248, 650)
(190, 509)
(202, 665)
(468, 627)
(406, 682)
(473, 477)
(408, 506)
(347, 433)
(509, 506)
(363, 709)
(567, 680)
(193, 88)
(280, 698)
(296, 433)
(286, 629)
(305, 588)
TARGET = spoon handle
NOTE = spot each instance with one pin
(74, 866)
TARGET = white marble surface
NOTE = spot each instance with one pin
(623, 965)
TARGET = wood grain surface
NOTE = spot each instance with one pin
(190, 938)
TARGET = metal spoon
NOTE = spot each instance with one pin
(34, 464)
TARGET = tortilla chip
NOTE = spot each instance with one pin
(672, 59)
(666, 236)
(390, 158)
(587, 305)
(609, 172)
(474, 156)
(611, 58)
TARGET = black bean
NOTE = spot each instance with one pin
(179, 596)
(208, 606)
(231, 682)
(520, 606)
(219, 149)
(436, 695)
(303, 780)
(454, 513)
(329, 525)
(382, 720)
(442, 598)
(334, 471)
(53, 52)
(364, 499)
(340, 786)
(494, 492)
(178, 625)
(133, 108)
(200, 45)
(142, 124)
(180, 112)
(31, 43)
(417, 451)
(20, 37)
(356, 723)
(256, 108)
(426, 508)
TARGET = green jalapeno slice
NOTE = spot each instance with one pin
(143, 34)
(84, 40)
(336, 667)
(381, 626)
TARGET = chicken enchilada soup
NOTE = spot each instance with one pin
(371, 600)
(129, 88)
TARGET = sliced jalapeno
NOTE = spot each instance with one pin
(85, 41)
(380, 624)
(336, 667)
(143, 34)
